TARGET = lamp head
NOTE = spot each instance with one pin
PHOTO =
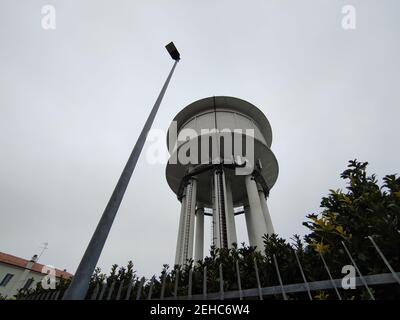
(173, 51)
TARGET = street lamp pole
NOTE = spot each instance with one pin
(80, 283)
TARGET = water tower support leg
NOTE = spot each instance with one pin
(250, 231)
(267, 216)
(256, 217)
(191, 194)
(179, 241)
(231, 227)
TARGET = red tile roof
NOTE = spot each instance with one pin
(37, 267)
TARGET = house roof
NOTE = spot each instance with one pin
(36, 267)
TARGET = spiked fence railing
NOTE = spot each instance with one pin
(134, 289)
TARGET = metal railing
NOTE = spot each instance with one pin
(125, 291)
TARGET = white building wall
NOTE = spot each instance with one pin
(16, 282)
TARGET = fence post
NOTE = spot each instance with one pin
(111, 290)
(385, 260)
(358, 270)
(303, 275)
(279, 277)
(121, 285)
(103, 290)
(258, 279)
(95, 292)
(151, 288)
(131, 285)
(53, 295)
(330, 276)
(139, 290)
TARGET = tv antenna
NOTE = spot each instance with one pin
(44, 247)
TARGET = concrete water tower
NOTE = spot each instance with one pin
(220, 165)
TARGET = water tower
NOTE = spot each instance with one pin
(220, 166)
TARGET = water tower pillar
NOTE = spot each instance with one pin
(231, 227)
(191, 190)
(185, 241)
(250, 231)
(256, 220)
(179, 241)
(264, 206)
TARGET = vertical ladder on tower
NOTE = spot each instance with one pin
(213, 217)
(187, 222)
(222, 211)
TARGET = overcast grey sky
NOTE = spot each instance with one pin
(73, 101)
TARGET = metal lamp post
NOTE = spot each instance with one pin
(80, 283)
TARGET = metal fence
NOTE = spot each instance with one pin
(133, 290)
